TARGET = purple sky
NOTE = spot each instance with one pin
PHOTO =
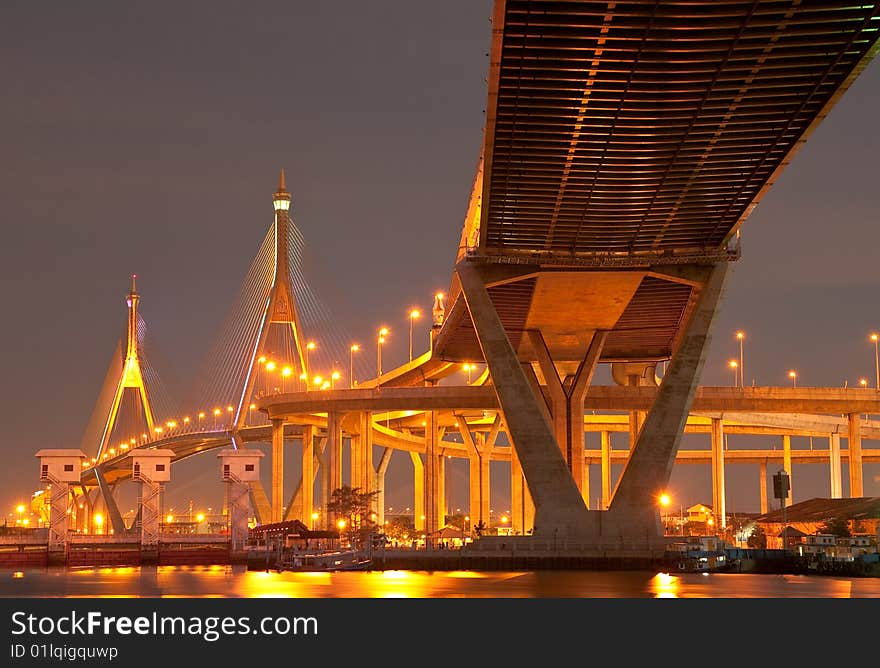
(147, 139)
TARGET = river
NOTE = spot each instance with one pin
(236, 581)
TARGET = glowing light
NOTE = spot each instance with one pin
(252, 406)
(315, 516)
(335, 375)
(19, 508)
(341, 524)
(325, 385)
(311, 345)
(98, 519)
(217, 411)
(355, 347)
(665, 500)
(270, 366)
(169, 518)
(505, 519)
(415, 313)
(317, 380)
(186, 420)
(733, 364)
(230, 409)
(863, 382)
(439, 295)
(874, 336)
(740, 335)
(200, 517)
(286, 371)
(261, 359)
(124, 446)
(201, 415)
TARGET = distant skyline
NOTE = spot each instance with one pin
(147, 139)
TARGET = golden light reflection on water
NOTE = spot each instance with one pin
(664, 585)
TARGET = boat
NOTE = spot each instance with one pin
(324, 560)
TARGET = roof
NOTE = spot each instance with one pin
(821, 510)
(292, 527)
(447, 532)
(791, 532)
(700, 507)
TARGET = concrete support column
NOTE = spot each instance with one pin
(856, 489)
(308, 477)
(786, 464)
(719, 506)
(606, 470)
(522, 507)
(567, 404)
(442, 509)
(366, 425)
(634, 506)
(834, 456)
(418, 491)
(516, 494)
(478, 473)
(379, 485)
(433, 497)
(763, 486)
(559, 505)
(331, 469)
(277, 469)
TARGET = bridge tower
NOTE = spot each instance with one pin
(280, 306)
(131, 375)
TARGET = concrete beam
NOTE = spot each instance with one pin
(856, 489)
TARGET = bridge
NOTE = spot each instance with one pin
(625, 146)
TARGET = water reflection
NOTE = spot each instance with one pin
(236, 581)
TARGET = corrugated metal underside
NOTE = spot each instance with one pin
(635, 126)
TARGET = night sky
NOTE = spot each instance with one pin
(147, 138)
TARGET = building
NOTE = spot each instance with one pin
(862, 516)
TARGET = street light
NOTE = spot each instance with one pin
(217, 412)
(793, 375)
(285, 373)
(735, 366)
(875, 338)
(270, 366)
(740, 335)
(413, 314)
(310, 346)
(351, 351)
(20, 509)
(863, 382)
(250, 413)
(467, 366)
(664, 500)
(334, 376)
(383, 332)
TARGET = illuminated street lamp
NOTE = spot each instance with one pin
(735, 366)
(285, 373)
(351, 351)
(467, 366)
(740, 335)
(383, 332)
(793, 375)
(217, 412)
(230, 410)
(863, 382)
(19, 509)
(413, 314)
(98, 520)
(250, 413)
(334, 376)
(875, 338)
(664, 500)
(201, 417)
(310, 346)
(270, 366)
(318, 381)
(304, 380)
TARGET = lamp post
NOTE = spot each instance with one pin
(735, 366)
(875, 338)
(20, 509)
(351, 351)
(310, 346)
(793, 375)
(285, 373)
(664, 500)
(270, 366)
(467, 366)
(334, 376)
(383, 332)
(740, 335)
(413, 314)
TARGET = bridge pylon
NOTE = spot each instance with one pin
(130, 376)
(280, 307)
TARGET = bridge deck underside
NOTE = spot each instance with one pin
(640, 127)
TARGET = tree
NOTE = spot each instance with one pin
(353, 510)
(836, 526)
(758, 538)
